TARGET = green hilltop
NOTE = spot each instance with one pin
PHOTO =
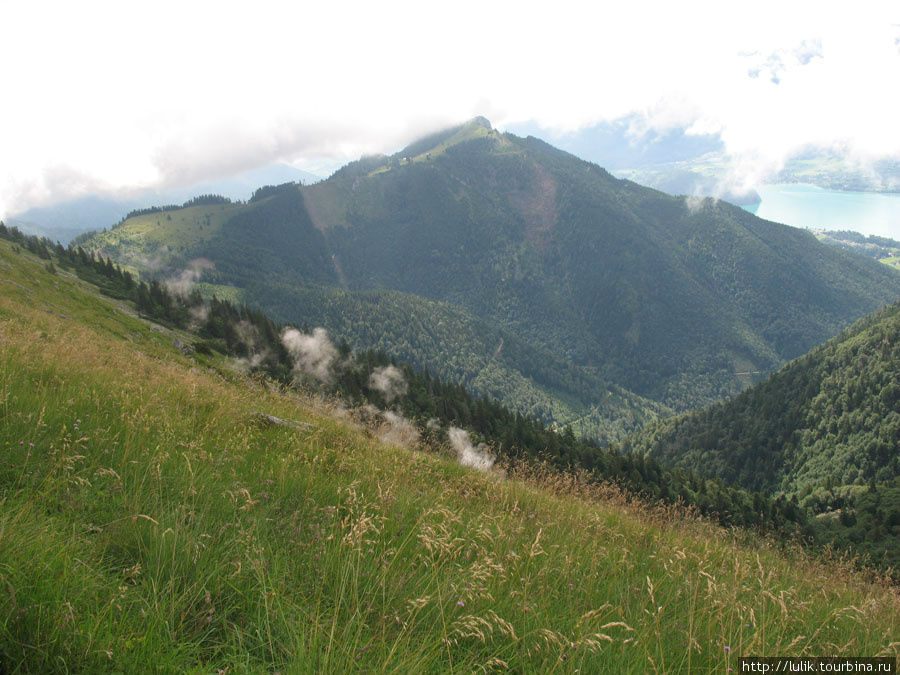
(158, 507)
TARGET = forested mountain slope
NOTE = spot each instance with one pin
(824, 430)
(831, 417)
(680, 303)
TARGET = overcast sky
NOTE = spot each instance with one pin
(106, 96)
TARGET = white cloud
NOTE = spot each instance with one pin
(389, 381)
(468, 454)
(101, 96)
(312, 354)
(397, 430)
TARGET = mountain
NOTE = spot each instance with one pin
(159, 507)
(672, 301)
(65, 220)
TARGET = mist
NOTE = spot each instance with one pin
(389, 381)
(312, 354)
(468, 454)
(183, 283)
(397, 430)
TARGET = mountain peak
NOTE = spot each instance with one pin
(438, 142)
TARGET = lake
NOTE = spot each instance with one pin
(870, 213)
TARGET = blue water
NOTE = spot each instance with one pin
(869, 213)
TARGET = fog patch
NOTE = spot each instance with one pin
(248, 334)
(389, 381)
(397, 430)
(468, 454)
(152, 265)
(199, 314)
(246, 364)
(696, 203)
(183, 283)
(312, 354)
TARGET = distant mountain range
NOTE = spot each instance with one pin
(525, 273)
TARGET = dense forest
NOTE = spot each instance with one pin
(830, 418)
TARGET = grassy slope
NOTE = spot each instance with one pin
(146, 518)
(159, 237)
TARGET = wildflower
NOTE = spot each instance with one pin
(460, 603)
(21, 442)
(727, 649)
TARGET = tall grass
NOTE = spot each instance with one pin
(150, 519)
